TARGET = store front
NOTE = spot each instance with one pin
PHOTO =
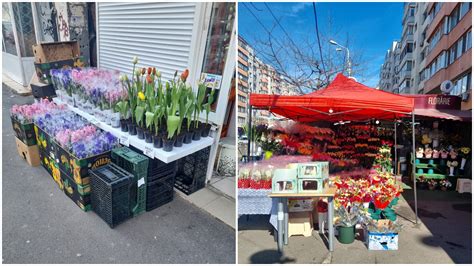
(195, 36)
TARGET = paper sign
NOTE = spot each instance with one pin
(124, 140)
(211, 80)
(141, 182)
(149, 151)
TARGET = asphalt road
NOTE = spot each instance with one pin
(42, 225)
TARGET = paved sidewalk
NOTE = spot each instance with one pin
(15, 86)
(417, 243)
(42, 225)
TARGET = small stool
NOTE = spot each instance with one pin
(300, 223)
(464, 185)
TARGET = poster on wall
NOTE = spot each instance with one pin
(62, 21)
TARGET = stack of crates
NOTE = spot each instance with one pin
(192, 169)
(160, 183)
(110, 196)
(136, 164)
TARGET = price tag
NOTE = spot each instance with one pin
(149, 151)
(141, 182)
(124, 140)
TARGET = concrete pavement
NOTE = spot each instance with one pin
(42, 225)
(433, 240)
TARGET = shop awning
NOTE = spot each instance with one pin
(457, 115)
(440, 106)
(343, 99)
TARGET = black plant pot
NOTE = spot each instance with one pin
(197, 133)
(148, 136)
(205, 130)
(179, 140)
(157, 141)
(132, 129)
(124, 125)
(140, 133)
(168, 143)
(188, 137)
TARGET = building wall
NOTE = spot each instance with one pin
(428, 18)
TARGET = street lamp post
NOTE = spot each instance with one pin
(348, 60)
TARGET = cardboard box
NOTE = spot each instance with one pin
(46, 143)
(24, 132)
(56, 51)
(79, 194)
(300, 205)
(28, 153)
(382, 241)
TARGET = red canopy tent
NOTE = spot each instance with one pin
(343, 99)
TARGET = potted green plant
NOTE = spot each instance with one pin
(189, 114)
(172, 120)
(207, 108)
(139, 113)
(201, 94)
(123, 108)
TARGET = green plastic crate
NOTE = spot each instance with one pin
(137, 165)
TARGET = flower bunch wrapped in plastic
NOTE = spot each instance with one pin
(26, 113)
(67, 136)
(97, 143)
(53, 122)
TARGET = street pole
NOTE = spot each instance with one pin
(249, 130)
(349, 66)
(413, 164)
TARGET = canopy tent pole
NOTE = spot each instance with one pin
(249, 130)
(395, 147)
(413, 164)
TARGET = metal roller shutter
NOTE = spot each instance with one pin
(160, 34)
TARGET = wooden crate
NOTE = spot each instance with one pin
(55, 51)
(29, 153)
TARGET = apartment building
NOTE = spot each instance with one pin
(255, 76)
(449, 53)
(388, 77)
(435, 46)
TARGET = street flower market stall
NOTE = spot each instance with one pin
(115, 144)
(358, 158)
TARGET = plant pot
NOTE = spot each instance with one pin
(188, 137)
(157, 141)
(197, 133)
(140, 133)
(132, 129)
(346, 234)
(179, 140)
(148, 136)
(205, 130)
(124, 125)
(115, 119)
(168, 143)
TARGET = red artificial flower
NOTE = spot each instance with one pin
(379, 203)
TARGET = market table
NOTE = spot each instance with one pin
(147, 148)
(282, 226)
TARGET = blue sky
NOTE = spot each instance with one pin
(370, 27)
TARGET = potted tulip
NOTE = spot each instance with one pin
(207, 108)
(123, 108)
(139, 113)
(201, 94)
(189, 114)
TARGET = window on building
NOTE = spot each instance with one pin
(8, 39)
(243, 67)
(243, 56)
(411, 12)
(242, 99)
(461, 84)
(241, 109)
(241, 120)
(464, 8)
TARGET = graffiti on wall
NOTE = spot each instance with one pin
(62, 21)
(78, 27)
(47, 21)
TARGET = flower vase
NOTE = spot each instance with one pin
(463, 163)
(451, 171)
(115, 119)
(346, 234)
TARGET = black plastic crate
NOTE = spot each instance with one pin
(110, 193)
(157, 168)
(159, 192)
(191, 173)
(160, 200)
